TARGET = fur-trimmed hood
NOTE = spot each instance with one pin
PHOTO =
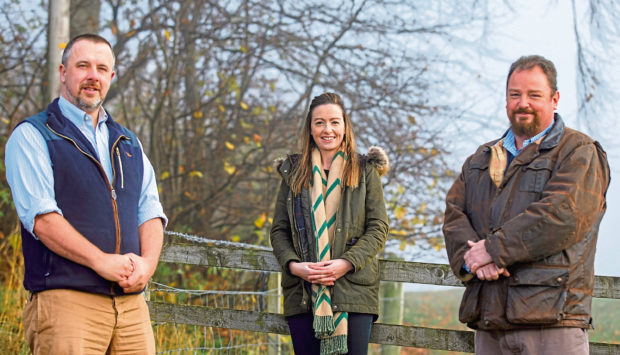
(376, 156)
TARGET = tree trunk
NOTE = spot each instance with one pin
(84, 17)
(57, 37)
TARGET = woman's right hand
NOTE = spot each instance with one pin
(316, 273)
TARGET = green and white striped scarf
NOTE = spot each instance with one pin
(325, 194)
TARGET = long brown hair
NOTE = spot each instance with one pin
(302, 174)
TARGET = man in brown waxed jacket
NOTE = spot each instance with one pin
(521, 225)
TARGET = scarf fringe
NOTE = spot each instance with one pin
(323, 326)
(334, 345)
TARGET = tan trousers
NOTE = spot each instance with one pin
(547, 341)
(74, 322)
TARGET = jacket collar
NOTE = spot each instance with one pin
(554, 136)
(549, 141)
(60, 124)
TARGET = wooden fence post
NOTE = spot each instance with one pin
(391, 296)
(274, 305)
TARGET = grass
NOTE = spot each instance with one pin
(12, 296)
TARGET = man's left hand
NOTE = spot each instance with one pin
(477, 256)
(142, 272)
(490, 272)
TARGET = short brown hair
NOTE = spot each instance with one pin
(91, 37)
(531, 61)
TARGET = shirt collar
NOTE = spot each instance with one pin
(76, 115)
(509, 140)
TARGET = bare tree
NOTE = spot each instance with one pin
(218, 90)
(84, 17)
(597, 33)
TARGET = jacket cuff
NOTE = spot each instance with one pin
(494, 246)
(286, 264)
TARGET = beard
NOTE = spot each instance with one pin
(89, 106)
(84, 104)
(525, 129)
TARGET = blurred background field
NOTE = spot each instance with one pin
(439, 309)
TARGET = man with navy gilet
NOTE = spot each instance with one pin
(92, 224)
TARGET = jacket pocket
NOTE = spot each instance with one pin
(469, 311)
(535, 176)
(536, 296)
(289, 280)
(369, 275)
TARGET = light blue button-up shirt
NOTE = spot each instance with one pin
(509, 141)
(29, 168)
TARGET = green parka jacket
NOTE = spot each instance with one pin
(361, 232)
(541, 224)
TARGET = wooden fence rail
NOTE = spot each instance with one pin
(231, 256)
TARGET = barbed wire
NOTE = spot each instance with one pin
(220, 349)
(204, 240)
(166, 288)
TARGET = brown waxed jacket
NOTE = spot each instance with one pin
(361, 232)
(541, 224)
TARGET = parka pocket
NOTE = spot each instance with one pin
(367, 276)
(289, 280)
(469, 311)
(536, 296)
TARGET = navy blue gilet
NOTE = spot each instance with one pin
(105, 214)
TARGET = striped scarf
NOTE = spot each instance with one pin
(325, 194)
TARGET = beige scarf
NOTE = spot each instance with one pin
(325, 194)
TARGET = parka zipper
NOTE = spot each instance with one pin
(117, 224)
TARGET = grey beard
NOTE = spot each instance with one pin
(85, 106)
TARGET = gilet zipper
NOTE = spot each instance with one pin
(117, 223)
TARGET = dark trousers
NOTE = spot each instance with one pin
(304, 342)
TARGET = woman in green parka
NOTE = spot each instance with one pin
(329, 225)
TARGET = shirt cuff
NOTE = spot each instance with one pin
(466, 268)
(152, 212)
(43, 207)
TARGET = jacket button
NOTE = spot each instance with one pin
(335, 307)
(285, 171)
(338, 229)
(303, 302)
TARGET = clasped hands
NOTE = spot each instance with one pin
(322, 272)
(480, 263)
(131, 271)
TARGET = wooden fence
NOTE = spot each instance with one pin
(227, 256)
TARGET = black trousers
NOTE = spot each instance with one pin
(304, 342)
